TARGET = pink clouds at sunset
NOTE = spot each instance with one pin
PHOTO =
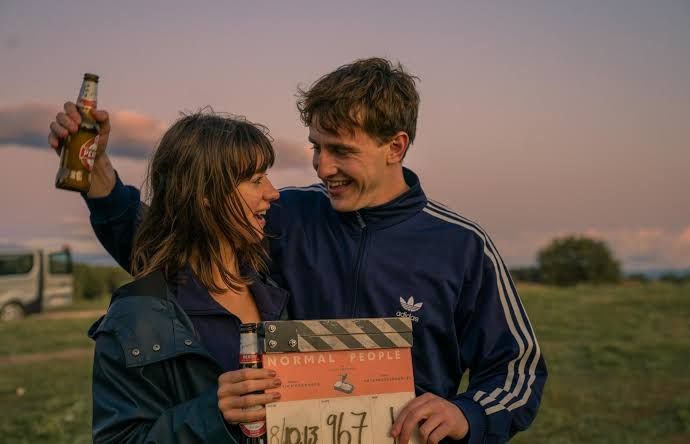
(36, 214)
(27, 125)
(685, 236)
(645, 247)
(637, 248)
(41, 216)
(133, 134)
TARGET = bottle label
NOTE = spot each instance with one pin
(87, 152)
(87, 99)
(253, 429)
(250, 359)
(249, 343)
(88, 94)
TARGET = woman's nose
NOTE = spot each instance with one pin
(271, 194)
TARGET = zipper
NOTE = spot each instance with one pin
(358, 264)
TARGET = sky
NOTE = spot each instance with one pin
(538, 119)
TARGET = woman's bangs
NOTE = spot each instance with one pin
(254, 157)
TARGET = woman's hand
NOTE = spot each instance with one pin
(241, 389)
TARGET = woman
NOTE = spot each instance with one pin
(167, 352)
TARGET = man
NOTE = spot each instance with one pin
(367, 242)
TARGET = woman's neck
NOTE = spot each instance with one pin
(230, 263)
(239, 302)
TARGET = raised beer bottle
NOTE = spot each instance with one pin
(79, 149)
(250, 357)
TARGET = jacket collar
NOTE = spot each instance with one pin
(397, 210)
(151, 322)
(195, 299)
(148, 323)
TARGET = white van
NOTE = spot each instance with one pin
(32, 281)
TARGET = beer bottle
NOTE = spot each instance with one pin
(79, 149)
(250, 357)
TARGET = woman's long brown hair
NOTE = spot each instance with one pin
(195, 205)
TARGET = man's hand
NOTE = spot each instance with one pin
(67, 122)
(436, 417)
(236, 392)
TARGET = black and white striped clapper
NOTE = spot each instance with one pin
(336, 334)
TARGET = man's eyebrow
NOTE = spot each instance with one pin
(340, 146)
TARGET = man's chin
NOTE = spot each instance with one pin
(342, 205)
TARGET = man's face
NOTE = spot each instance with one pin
(353, 167)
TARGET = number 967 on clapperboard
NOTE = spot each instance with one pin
(343, 381)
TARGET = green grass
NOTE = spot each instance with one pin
(36, 335)
(88, 304)
(617, 358)
(33, 335)
(55, 406)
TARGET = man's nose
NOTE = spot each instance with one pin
(324, 164)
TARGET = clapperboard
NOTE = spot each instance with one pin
(343, 381)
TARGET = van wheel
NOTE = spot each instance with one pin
(11, 312)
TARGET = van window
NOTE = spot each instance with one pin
(16, 264)
(60, 263)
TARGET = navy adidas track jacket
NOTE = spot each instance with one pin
(411, 257)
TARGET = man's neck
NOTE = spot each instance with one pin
(395, 188)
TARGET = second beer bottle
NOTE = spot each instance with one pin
(250, 357)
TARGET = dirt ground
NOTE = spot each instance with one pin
(26, 358)
(69, 314)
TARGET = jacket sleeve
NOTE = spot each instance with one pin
(115, 219)
(129, 408)
(276, 223)
(498, 346)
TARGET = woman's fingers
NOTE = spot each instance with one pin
(243, 402)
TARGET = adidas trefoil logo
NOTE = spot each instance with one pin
(409, 305)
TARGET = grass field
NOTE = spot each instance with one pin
(618, 361)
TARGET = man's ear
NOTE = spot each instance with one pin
(397, 147)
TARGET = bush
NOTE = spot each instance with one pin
(574, 259)
(92, 282)
(527, 274)
(638, 277)
(675, 278)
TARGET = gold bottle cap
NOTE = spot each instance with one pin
(89, 76)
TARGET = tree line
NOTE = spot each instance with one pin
(572, 260)
(565, 261)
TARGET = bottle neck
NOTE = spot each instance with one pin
(249, 349)
(88, 96)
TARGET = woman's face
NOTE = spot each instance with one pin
(257, 194)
